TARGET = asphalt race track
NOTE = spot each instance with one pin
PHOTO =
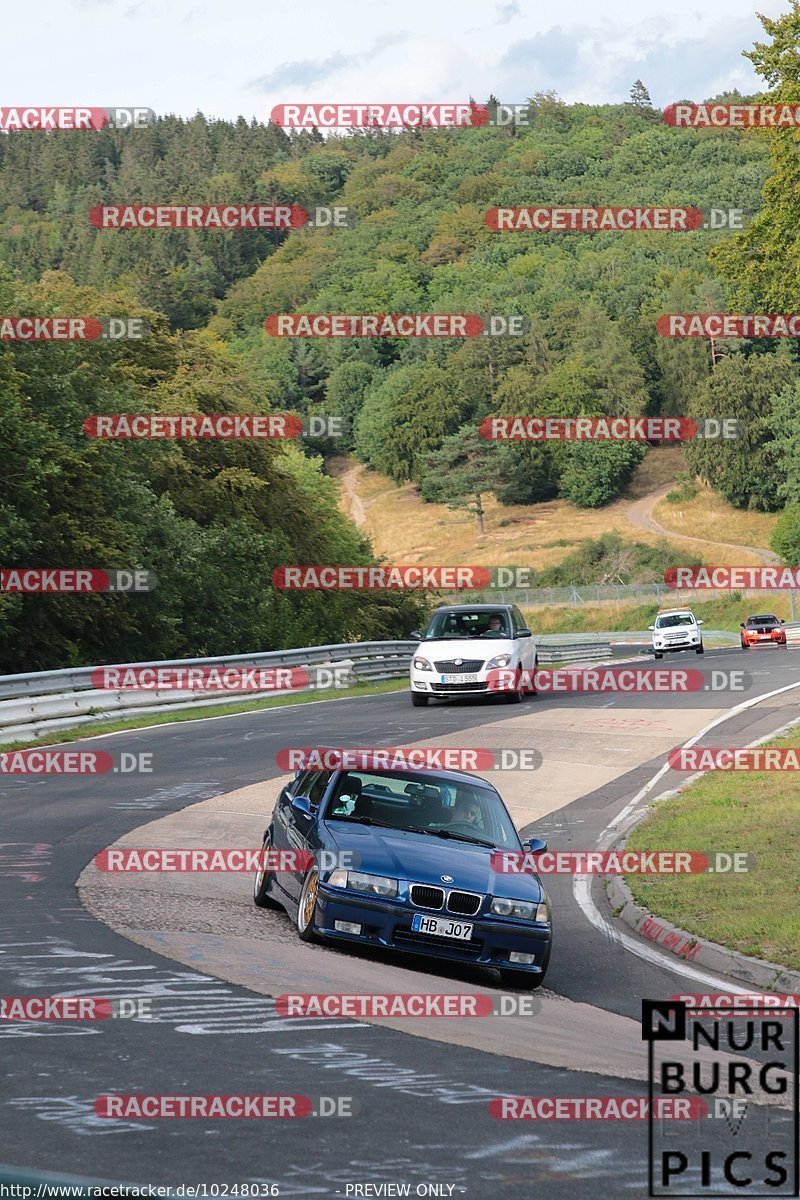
(420, 1100)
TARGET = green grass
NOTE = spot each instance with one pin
(98, 728)
(757, 913)
(723, 613)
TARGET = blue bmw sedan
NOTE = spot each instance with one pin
(405, 860)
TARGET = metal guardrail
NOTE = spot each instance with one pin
(31, 705)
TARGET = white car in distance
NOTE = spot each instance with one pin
(467, 645)
(676, 629)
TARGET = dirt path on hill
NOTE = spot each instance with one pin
(640, 514)
(349, 482)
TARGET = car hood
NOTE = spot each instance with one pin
(420, 858)
(450, 648)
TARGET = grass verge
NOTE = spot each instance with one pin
(722, 613)
(98, 728)
(757, 913)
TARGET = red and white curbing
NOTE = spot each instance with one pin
(766, 976)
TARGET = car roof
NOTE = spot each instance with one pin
(470, 607)
(763, 617)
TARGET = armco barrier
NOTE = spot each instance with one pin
(31, 705)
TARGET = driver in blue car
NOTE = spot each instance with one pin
(468, 812)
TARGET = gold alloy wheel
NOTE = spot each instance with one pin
(308, 900)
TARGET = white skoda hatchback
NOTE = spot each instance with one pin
(467, 644)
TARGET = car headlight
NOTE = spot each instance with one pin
(522, 910)
(499, 660)
(422, 664)
(359, 881)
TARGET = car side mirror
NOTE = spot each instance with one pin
(651, 626)
(524, 633)
(783, 622)
(701, 622)
(302, 805)
(741, 624)
(534, 846)
(415, 636)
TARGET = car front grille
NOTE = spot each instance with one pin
(426, 897)
(465, 903)
(468, 667)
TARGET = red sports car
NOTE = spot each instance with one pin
(763, 630)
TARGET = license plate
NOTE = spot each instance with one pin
(442, 927)
(459, 679)
(765, 637)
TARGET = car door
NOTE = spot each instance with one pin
(294, 827)
(525, 647)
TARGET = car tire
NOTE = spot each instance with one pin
(261, 897)
(517, 695)
(532, 690)
(700, 649)
(657, 654)
(307, 908)
(418, 700)
(745, 646)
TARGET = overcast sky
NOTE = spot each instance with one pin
(244, 56)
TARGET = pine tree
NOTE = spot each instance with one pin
(640, 97)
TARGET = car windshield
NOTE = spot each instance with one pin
(423, 802)
(479, 623)
(670, 620)
(765, 622)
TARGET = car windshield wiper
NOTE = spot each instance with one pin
(460, 837)
(361, 820)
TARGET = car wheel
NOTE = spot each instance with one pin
(307, 908)
(700, 649)
(745, 646)
(657, 654)
(515, 697)
(418, 700)
(532, 690)
(261, 896)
